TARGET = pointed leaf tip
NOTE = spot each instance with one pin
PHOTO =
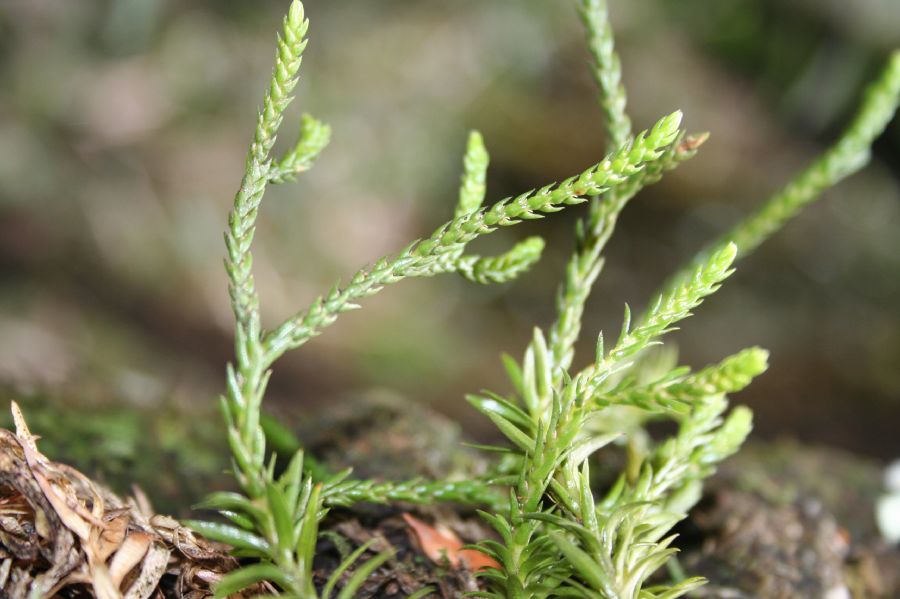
(476, 140)
(758, 359)
(674, 119)
(296, 12)
(729, 252)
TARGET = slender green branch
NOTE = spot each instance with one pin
(473, 492)
(247, 381)
(607, 69)
(472, 188)
(594, 231)
(676, 394)
(502, 268)
(314, 136)
(847, 156)
(676, 304)
(592, 236)
(278, 519)
(440, 252)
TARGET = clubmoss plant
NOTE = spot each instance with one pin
(558, 535)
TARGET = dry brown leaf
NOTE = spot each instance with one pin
(441, 543)
(22, 430)
(77, 576)
(152, 569)
(102, 582)
(42, 525)
(4, 571)
(72, 531)
(57, 487)
(142, 502)
(128, 556)
(111, 538)
(70, 518)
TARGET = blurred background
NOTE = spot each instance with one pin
(123, 128)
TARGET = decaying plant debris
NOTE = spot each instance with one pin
(128, 551)
(64, 535)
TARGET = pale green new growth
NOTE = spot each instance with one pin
(314, 136)
(472, 186)
(556, 538)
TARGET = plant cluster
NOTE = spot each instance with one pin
(557, 534)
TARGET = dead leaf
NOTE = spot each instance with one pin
(60, 503)
(74, 531)
(441, 543)
(153, 567)
(103, 584)
(111, 538)
(22, 430)
(128, 556)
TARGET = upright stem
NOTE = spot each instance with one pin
(247, 382)
(594, 231)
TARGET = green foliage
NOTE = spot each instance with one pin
(558, 536)
(443, 251)
(848, 155)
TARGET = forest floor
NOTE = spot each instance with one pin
(779, 520)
